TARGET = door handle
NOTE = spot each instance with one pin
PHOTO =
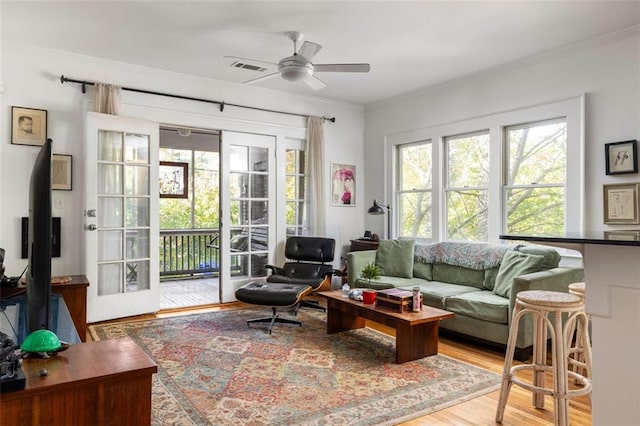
(91, 227)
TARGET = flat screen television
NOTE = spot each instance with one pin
(39, 264)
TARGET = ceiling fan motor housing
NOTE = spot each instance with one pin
(293, 69)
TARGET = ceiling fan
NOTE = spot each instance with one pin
(298, 67)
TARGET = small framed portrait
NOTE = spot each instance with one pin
(621, 203)
(173, 178)
(28, 126)
(621, 157)
(343, 185)
(61, 172)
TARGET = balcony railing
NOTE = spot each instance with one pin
(188, 252)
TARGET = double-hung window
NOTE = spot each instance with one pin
(503, 173)
(467, 186)
(536, 173)
(415, 190)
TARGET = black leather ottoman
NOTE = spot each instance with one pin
(276, 295)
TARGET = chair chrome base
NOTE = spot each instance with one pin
(274, 318)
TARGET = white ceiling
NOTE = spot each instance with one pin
(410, 45)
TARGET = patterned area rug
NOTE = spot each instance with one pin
(213, 369)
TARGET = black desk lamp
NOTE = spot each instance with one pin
(378, 209)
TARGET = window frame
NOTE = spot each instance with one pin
(572, 108)
(401, 192)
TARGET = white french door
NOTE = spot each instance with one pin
(121, 221)
(248, 198)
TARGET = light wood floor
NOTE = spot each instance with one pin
(478, 411)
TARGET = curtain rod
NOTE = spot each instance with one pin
(222, 104)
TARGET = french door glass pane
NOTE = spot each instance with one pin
(110, 279)
(137, 243)
(137, 180)
(239, 158)
(259, 186)
(258, 263)
(109, 145)
(137, 276)
(109, 246)
(111, 208)
(109, 179)
(259, 159)
(239, 185)
(136, 148)
(137, 212)
(259, 238)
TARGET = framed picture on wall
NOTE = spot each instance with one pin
(621, 157)
(28, 126)
(61, 172)
(621, 203)
(173, 179)
(343, 185)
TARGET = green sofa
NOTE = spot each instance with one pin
(476, 281)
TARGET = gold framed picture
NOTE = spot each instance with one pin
(61, 172)
(28, 126)
(621, 203)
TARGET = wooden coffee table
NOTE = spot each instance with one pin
(416, 332)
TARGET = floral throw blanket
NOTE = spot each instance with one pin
(467, 255)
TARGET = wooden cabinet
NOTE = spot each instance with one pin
(74, 294)
(95, 383)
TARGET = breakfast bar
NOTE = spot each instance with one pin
(612, 277)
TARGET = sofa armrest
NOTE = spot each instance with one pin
(556, 279)
(356, 261)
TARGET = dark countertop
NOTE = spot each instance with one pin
(629, 237)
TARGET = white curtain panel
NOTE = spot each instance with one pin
(107, 98)
(316, 209)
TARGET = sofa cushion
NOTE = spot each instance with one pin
(483, 305)
(458, 275)
(422, 270)
(551, 258)
(434, 293)
(395, 257)
(514, 263)
(490, 277)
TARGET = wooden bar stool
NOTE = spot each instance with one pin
(541, 304)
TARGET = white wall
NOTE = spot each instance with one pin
(607, 70)
(31, 78)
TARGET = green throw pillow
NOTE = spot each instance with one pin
(550, 257)
(395, 258)
(513, 264)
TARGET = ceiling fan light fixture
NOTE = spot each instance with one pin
(296, 72)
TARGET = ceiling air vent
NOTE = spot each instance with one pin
(251, 67)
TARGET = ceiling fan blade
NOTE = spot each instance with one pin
(263, 78)
(238, 58)
(341, 67)
(315, 83)
(309, 50)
